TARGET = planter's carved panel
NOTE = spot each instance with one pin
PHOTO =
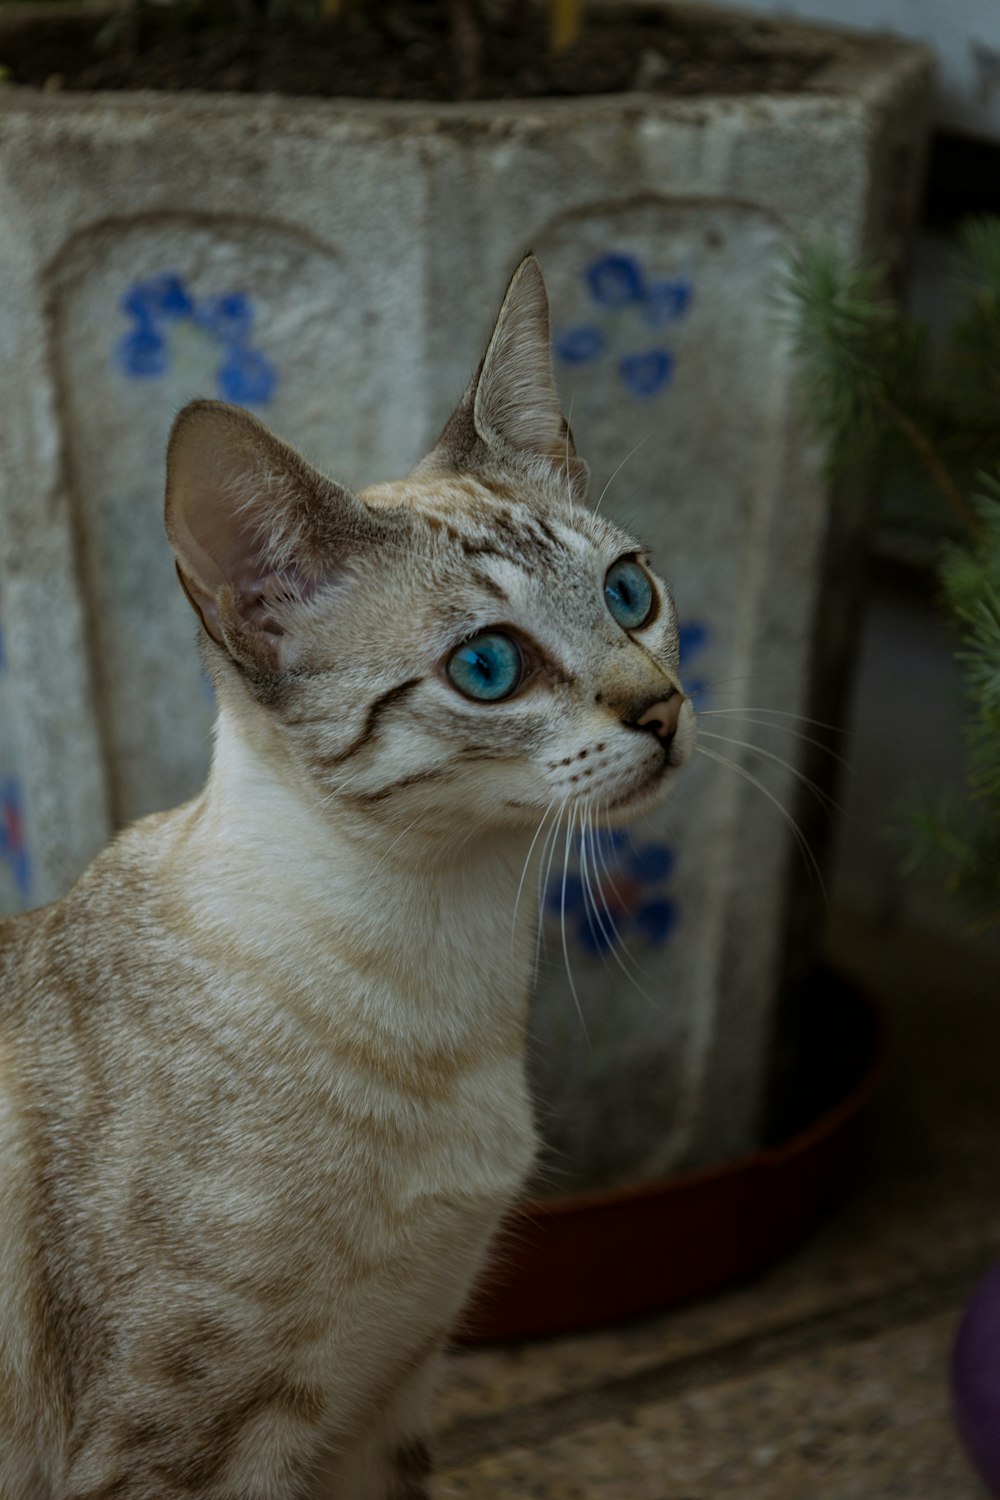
(661, 312)
(147, 316)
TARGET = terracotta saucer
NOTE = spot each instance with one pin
(597, 1258)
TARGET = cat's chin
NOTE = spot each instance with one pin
(646, 793)
(651, 791)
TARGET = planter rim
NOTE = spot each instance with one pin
(860, 67)
(602, 1257)
(764, 1158)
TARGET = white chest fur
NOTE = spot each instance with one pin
(386, 1008)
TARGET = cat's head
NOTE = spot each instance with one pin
(470, 645)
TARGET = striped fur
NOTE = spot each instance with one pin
(262, 1095)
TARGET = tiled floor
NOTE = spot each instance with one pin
(825, 1380)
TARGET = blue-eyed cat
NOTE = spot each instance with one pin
(262, 1094)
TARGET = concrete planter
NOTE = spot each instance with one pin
(335, 266)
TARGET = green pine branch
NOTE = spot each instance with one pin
(893, 405)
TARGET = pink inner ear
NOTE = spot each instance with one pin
(260, 596)
(255, 530)
(257, 601)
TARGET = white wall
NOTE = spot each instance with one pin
(965, 34)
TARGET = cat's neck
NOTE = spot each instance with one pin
(266, 864)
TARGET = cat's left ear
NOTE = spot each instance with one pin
(510, 414)
(256, 532)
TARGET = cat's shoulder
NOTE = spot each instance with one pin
(116, 899)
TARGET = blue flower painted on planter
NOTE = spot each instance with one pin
(618, 285)
(667, 301)
(229, 317)
(627, 894)
(162, 297)
(243, 374)
(578, 346)
(245, 377)
(142, 352)
(13, 849)
(645, 374)
(615, 280)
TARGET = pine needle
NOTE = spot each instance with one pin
(890, 403)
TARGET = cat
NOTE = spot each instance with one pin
(262, 1091)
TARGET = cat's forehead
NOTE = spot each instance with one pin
(444, 496)
(481, 514)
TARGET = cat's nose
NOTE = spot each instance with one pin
(662, 717)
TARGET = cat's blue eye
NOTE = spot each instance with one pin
(629, 593)
(489, 667)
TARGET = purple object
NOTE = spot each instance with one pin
(975, 1378)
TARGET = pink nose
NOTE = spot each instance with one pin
(662, 717)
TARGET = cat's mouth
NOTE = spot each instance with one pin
(652, 782)
(644, 792)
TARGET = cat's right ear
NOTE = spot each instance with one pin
(510, 416)
(256, 531)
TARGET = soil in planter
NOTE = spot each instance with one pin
(403, 50)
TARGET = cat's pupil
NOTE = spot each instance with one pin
(482, 665)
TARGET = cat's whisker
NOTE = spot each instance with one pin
(547, 856)
(592, 882)
(616, 944)
(806, 739)
(562, 925)
(606, 940)
(617, 471)
(824, 798)
(781, 713)
(631, 841)
(603, 851)
(715, 684)
(385, 855)
(609, 851)
(467, 836)
(808, 856)
(621, 949)
(524, 873)
(337, 791)
(545, 874)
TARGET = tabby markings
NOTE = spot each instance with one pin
(412, 1470)
(525, 541)
(630, 310)
(370, 726)
(166, 319)
(416, 778)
